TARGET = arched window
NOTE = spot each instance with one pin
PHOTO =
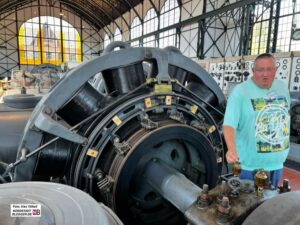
(150, 21)
(117, 35)
(44, 40)
(170, 14)
(150, 25)
(136, 30)
(106, 40)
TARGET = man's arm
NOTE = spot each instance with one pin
(229, 134)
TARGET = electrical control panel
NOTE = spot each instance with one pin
(249, 63)
(230, 71)
(234, 74)
(295, 74)
(283, 65)
(216, 70)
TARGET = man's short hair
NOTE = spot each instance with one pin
(264, 56)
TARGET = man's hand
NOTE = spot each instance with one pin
(232, 156)
(229, 135)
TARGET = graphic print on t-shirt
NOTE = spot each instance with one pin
(271, 124)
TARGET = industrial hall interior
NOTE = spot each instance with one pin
(149, 112)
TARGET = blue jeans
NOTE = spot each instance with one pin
(275, 176)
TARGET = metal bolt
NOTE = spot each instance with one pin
(204, 199)
(116, 140)
(225, 202)
(47, 110)
(223, 187)
(224, 216)
(285, 183)
(222, 192)
(224, 207)
(284, 187)
(99, 174)
(205, 188)
(85, 142)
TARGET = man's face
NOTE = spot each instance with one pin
(264, 72)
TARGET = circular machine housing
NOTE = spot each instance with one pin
(102, 142)
(51, 204)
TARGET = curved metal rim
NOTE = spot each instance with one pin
(102, 126)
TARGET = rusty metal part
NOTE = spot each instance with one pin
(236, 169)
(223, 192)
(215, 214)
(204, 199)
(285, 187)
(224, 214)
(261, 180)
(235, 184)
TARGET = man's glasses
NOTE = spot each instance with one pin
(263, 70)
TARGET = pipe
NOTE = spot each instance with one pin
(172, 185)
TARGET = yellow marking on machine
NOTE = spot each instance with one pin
(211, 129)
(117, 120)
(168, 100)
(194, 109)
(148, 102)
(91, 152)
(162, 88)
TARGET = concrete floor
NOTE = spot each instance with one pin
(293, 176)
(291, 170)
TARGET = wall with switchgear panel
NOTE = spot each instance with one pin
(230, 71)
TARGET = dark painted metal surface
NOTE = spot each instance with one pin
(12, 124)
(284, 209)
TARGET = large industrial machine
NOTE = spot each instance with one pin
(143, 137)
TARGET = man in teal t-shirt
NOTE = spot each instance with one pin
(257, 122)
